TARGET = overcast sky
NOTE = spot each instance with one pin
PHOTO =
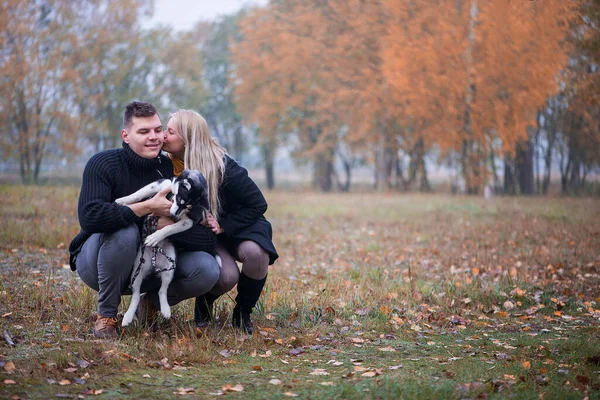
(183, 14)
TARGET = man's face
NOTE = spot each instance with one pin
(172, 141)
(145, 136)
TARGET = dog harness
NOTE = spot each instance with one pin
(148, 228)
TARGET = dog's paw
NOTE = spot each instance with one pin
(165, 311)
(153, 240)
(127, 318)
(122, 201)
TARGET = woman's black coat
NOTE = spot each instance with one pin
(243, 207)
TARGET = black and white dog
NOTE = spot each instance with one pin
(190, 206)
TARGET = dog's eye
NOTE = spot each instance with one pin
(182, 201)
(170, 196)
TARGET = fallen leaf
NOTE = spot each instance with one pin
(290, 394)
(275, 382)
(229, 389)
(184, 391)
(93, 392)
(226, 353)
(9, 367)
(296, 352)
(319, 371)
(9, 382)
(64, 382)
(526, 364)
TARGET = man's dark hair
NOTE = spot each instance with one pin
(138, 109)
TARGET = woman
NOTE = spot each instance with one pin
(237, 209)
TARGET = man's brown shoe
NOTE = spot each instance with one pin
(105, 327)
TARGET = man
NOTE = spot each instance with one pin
(104, 251)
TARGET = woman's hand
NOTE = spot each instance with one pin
(213, 224)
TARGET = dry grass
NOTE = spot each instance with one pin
(472, 297)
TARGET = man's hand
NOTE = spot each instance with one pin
(157, 205)
(212, 223)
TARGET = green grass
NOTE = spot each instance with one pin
(374, 297)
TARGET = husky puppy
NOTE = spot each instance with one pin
(190, 206)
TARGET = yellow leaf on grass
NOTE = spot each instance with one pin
(526, 364)
(9, 382)
(385, 310)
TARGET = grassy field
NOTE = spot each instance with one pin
(375, 296)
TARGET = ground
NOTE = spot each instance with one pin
(374, 296)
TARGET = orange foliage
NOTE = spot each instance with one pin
(464, 75)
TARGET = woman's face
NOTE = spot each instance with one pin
(173, 142)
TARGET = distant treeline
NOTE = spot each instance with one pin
(500, 92)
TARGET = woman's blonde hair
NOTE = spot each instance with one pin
(202, 152)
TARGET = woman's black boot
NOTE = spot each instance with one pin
(249, 291)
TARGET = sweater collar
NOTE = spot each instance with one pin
(139, 165)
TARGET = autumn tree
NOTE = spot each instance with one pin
(113, 63)
(219, 109)
(302, 69)
(176, 76)
(52, 55)
(36, 100)
(578, 141)
(473, 74)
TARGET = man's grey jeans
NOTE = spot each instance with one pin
(106, 261)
